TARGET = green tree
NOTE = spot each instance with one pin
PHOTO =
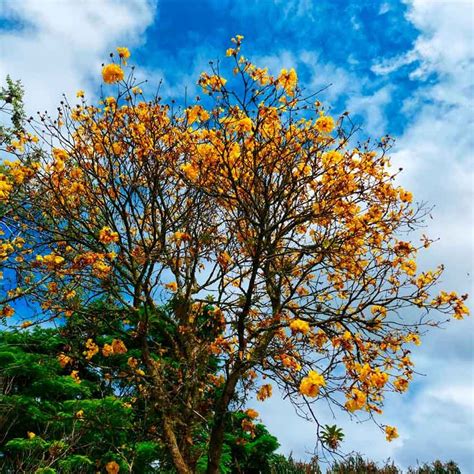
(50, 421)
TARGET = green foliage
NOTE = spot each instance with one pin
(436, 467)
(79, 424)
(332, 436)
(76, 463)
(283, 465)
(357, 464)
(11, 101)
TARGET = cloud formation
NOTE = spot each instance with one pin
(57, 47)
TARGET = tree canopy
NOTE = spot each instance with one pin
(238, 243)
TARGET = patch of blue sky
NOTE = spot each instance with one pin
(349, 36)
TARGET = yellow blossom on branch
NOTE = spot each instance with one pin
(112, 73)
(311, 384)
(124, 54)
(264, 392)
(391, 433)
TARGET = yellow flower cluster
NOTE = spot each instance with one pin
(51, 261)
(311, 384)
(390, 433)
(288, 81)
(325, 124)
(251, 413)
(264, 392)
(112, 467)
(64, 360)
(7, 311)
(117, 347)
(75, 376)
(356, 400)
(107, 236)
(124, 54)
(196, 113)
(211, 83)
(299, 326)
(92, 349)
(112, 73)
(5, 187)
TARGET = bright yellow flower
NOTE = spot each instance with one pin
(391, 433)
(298, 325)
(124, 54)
(107, 236)
(325, 124)
(112, 73)
(412, 337)
(64, 360)
(7, 311)
(118, 347)
(190, 171)
(288, 80)
(92, 349)
(75, 376)
(401, 385)
(405, 196)
(264, 392)
(251, 413)
(409, 267)
(107, 350)
(356, 400)
(311, 384)
(173, 286)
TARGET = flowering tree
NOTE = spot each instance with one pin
(244, 229)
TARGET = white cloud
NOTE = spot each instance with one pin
(371, 108)
(57, 46)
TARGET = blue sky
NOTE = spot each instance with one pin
(400, 67)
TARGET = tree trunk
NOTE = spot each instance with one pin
(217, 434)
(178, 460)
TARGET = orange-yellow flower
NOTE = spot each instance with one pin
(356, 400)
(401, 384)
(298, 325)
(311, 384)
(75, 376)
(64, 360)
(118, 347)
(264, 392)
(405, 196)
(106, 235)
(123, 53)
(107, 350)
(112, 467)
(251, 413)
(112, 73)
(173, 286)
(391, 433)
(325, 124)
(92, 349)
(7, 311)
(288, 80)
